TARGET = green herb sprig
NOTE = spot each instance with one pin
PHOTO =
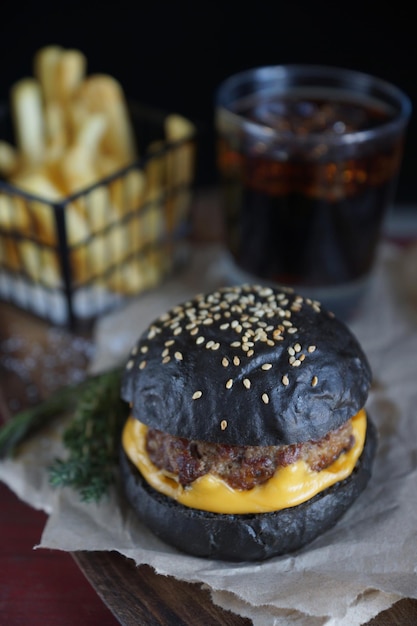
(92, 437)
(29, 422)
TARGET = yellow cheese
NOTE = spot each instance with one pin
(288, 487)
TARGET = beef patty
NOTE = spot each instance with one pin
(241, 467)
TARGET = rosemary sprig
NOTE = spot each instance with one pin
(91, 438)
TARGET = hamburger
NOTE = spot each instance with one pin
(247, 435)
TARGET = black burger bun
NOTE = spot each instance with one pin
(245, 537)
(178, 373)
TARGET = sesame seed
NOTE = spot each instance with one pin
(265, 291)
(224, 326)
(285, 380)
(246, 382)
(197, 395)
(209, 344)
(296, 363)
(265, 398)
(266, 366)
(291, 351)
(130, 364)
(165, 352)
(178, 356)
(225, 361)
(170, 342)
(235, 344)
(142, 365)
(166, 359)
(144, 349)
(223, 424)
(314, 381)
(134, 350)
(229, 383)
(297, 347)
(199, 340)
(236, 360)
(311, 348)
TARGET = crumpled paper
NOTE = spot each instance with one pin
(364, 564)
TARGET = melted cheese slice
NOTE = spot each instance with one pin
(288, 487)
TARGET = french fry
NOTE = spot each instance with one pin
(9, 159)
(45, 65)
(90, 133)
(181, 158)
(14, 214)
(77, 226)
(127, 191)
(180, 167)
(103, 93)
(178, 127)
(96, 208)
(41, 264)
(78, 161)
(139, 274)
(70, 72)
(9, 255)
(42, 213)
(56, 131)
(26, 99)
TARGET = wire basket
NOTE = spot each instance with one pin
(71, 260)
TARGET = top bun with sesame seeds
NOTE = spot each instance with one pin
(235, 387)
(247, 365)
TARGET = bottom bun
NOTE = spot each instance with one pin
(251, 537)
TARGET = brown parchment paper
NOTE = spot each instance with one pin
(364, 564)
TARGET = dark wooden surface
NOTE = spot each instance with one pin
(53, 588)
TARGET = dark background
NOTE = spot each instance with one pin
(172, 55)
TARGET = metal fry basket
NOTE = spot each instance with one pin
(72, 259)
